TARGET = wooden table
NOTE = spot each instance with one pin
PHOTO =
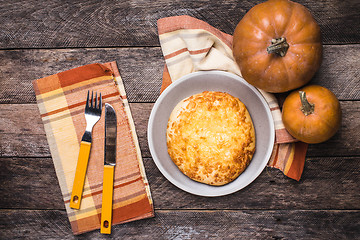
(40, 38)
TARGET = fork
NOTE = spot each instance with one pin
(92, 116)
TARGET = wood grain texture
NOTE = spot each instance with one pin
(40, 38)
(141, 70)
(31, 183)
(249, 224)
(26, 182)
(21, 139)
(94, 23)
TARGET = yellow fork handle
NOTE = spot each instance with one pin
(107, 199)
(80, 174)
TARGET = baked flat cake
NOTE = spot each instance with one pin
(211, 137)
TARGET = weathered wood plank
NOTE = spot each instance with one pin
(249, 224)
(53, 24)
(31, 183)
(26, 182)
(141, 70)
(22, 132)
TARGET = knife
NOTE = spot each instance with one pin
(109, 167)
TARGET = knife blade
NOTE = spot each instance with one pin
(109, 167)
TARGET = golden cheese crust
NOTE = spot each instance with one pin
(211, 137)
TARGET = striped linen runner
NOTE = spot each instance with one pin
(61, 100)
(189, 45)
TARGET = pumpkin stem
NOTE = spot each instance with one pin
(278, 46)
(306, 107)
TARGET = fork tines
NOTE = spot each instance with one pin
(93, 102)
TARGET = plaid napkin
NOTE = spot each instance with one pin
(61, 100)
(191, 45)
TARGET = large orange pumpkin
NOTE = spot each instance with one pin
(312, 115)
(277, 46)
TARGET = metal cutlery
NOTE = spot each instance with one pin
(109, 169)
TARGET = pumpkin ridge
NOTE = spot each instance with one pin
(283, 34)
(251, 15)
(267, 68)
(288, 79)
(250, 56)
(291, 19)
(273, 24)
(309, 39)
(262, 30)
(306, 23)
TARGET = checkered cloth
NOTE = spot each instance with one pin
(191, 45)
(61, 100)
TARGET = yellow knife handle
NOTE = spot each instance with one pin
(107, 199)
(80, 174)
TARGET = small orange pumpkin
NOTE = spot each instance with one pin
(312, 115)
(277, 46)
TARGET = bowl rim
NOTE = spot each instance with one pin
(163, 95)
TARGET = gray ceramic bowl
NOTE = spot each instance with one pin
(211, 81)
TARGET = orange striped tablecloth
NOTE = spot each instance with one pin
(61, 101)
(189, 45)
